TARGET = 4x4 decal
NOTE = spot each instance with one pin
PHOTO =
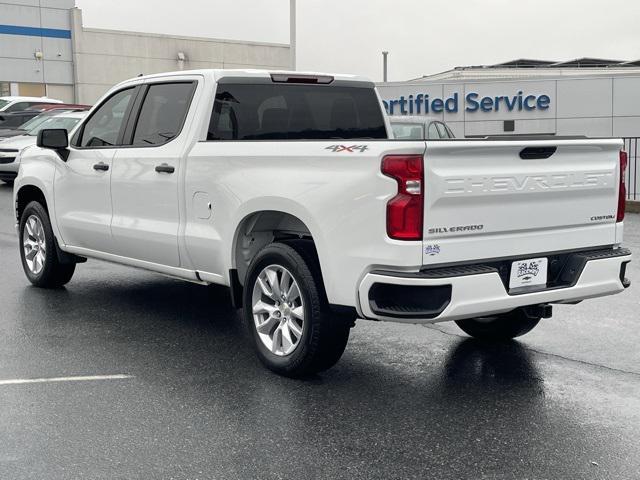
(345, 148)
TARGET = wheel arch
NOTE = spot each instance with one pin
(260, 228)
(29, 193)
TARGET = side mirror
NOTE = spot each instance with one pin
(56, 139)
(53, 138)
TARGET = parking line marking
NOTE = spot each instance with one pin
(86, 378)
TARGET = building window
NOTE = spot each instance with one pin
(31, 89)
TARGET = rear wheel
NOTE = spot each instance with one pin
(289, 320)
(499, 327)
(38, 249)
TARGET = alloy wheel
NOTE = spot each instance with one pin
(34, 244)
(278, 310)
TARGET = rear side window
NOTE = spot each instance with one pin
(295, 112)
(163, 112)
(18, 107)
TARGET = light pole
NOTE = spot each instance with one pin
(292, 32)
(384, 66)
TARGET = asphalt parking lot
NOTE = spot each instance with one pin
(193, 402)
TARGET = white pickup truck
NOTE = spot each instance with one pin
(287, 188)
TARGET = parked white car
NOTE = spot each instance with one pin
(419, 127)
(10, 147)
(16, 104)
(285, 187)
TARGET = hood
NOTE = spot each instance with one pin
(10, 132)
(18, 142)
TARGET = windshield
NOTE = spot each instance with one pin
(4, 103)
(34, 122)
(54, 122)
(413, 131)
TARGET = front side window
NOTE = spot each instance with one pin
(295, 112)
(163, 113)
(406, 131)
(103, 128)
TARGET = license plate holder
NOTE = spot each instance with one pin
(528, 273)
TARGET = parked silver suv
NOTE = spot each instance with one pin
(419, 127)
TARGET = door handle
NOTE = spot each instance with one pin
(165, 168)
(101, 166)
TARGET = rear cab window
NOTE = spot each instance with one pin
(287, 111)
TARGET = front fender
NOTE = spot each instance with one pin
(37, 168)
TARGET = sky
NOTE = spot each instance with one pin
(422, 36)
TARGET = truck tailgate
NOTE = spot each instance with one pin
(491, 199)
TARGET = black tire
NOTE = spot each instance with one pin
(499, 327)
(325, 333)
(54, 273)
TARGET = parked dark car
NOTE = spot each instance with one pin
(15, 119)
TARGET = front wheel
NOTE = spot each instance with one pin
(38, 249)
(293, 330)
(499, 327)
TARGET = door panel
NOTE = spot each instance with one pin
(146, 209)
(83, 199)
(145, 204)
(82, 188)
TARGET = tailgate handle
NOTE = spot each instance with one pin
(535, 153)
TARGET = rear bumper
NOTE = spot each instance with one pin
(470, 291)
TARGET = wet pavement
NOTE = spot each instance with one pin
(404, 402)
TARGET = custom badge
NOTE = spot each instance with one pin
(432, 250)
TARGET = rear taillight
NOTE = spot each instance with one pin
(405, 210)
(622, 190)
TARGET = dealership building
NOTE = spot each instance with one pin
(46, 50)
(587, 96)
